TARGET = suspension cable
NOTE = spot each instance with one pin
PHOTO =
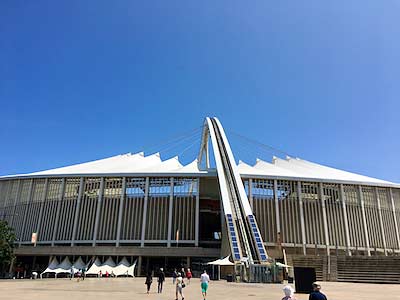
(196, 141)
(179, 143)
(261, 145)
(174, 139)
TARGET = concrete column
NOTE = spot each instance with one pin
(251, 194)
(277, 217)
(170, 207)
(19, 187)
(188, 261)
(360, 194)
(302, 223)
(121, 208)
(3, 198)
(144, 220)
(139, 266)
(395, 219)
(98, 211)
(197, 214)
(60, 199)
(33, 263)
(26, 211)
(46, 188)
(78, 206)
(207, 155)
(324, 217)
(346, 222)
(3, 201)
(381, 220)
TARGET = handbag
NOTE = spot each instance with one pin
(183, 284)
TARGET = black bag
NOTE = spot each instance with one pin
(183, 284)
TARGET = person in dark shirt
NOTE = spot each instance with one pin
(148, 282)
(83, 273)
(161, 279)
(174, 276)
(316, 294)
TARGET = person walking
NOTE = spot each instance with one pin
(174, 275)
(179, 287)
(289, 293)
(188, 275)
(83, 273)
(148, 282)
(204, 279)
(72, 272)
(161, 279)
(316, 294)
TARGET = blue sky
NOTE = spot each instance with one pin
(81, 80)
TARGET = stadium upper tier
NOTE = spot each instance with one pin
(139, 164)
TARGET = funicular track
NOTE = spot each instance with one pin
(244, 236)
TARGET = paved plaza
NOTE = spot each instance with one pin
(134, 289)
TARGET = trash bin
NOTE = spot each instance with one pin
(229, 278)
(304, 278)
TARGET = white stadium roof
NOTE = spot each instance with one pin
(297, 168)
(139, 164)
(128, 163)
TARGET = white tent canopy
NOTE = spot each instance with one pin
(78, 265)
(58, 268)
(51, 267)
(221, 262)
(64, 266)
(95, 268)
(123, 268)
(108, 266)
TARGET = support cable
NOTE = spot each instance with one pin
(261, 145)
(179, 144)
(248, 151)
(196, 141)
(172, 139)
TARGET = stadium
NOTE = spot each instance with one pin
(160, 213)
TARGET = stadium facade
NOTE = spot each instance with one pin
(164, 213)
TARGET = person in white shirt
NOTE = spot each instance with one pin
(179, 286)
(204, 279)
